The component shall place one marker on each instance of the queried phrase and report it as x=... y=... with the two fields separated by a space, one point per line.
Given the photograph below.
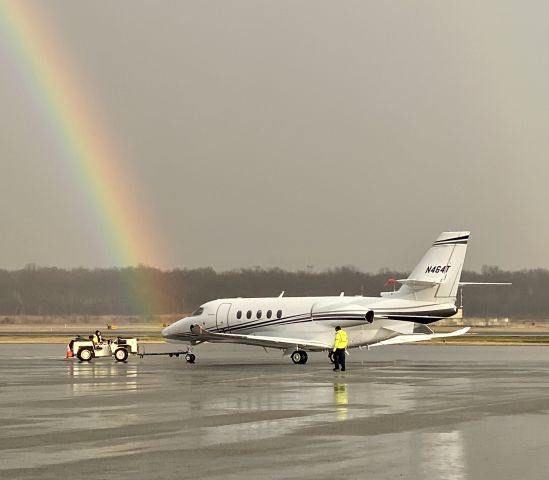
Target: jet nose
x=166 y=331
x=173 y=329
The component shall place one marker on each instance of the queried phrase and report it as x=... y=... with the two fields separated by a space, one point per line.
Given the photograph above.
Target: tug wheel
x=85 y=354
x=121 y=354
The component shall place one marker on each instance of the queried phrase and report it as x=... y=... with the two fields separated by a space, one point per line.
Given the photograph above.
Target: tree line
x=146 y=291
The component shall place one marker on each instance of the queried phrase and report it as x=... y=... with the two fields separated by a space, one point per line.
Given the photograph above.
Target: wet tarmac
x=411 y=412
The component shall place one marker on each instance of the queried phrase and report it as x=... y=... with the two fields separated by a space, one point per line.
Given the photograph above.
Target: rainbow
x=91 y=158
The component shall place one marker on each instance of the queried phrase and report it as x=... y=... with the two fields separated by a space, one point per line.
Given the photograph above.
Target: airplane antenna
x=282 y=294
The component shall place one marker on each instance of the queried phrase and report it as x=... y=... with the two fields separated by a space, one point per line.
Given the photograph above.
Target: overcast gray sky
x=293 y=133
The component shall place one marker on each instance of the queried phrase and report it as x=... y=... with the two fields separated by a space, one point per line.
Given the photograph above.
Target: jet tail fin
x=436 y=276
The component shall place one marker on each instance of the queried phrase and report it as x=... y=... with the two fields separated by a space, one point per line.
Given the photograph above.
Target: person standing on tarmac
x=340 y=344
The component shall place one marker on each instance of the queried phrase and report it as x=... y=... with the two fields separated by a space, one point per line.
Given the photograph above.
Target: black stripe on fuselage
x=416 y=319
x=304 y=317
x=423 y=317
x=261 y=323
x=275 y=321
x=419 y=317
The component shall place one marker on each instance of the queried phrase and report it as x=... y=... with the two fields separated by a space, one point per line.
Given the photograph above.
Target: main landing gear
x=300 y=357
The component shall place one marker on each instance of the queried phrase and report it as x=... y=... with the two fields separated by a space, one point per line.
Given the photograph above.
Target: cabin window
x=279 y=314
x=258 y=314
x=269 y=313
x=249 y=314
x=239 y=314
x=197 y=312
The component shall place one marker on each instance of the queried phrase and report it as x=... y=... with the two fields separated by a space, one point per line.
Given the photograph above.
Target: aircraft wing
x=418 y=337
x=203 y=335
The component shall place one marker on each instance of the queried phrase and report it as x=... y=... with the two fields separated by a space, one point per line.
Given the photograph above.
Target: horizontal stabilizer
x=419 y=337
x=412 y=282
x=466 y=284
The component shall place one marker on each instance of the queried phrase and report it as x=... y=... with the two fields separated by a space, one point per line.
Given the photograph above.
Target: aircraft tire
x=190 y=357
x=304 y=358
x=297 y=357
x=331 y=357
x=121 y=354
x=85 y=354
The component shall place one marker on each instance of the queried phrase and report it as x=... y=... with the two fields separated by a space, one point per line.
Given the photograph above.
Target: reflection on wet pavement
x=341 y=400
x=425 y=416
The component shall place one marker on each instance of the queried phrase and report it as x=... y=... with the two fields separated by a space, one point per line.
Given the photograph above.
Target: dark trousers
x=339 y=358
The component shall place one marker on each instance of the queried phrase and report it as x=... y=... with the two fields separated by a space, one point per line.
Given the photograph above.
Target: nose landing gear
x=299 y=357
x=190 y=357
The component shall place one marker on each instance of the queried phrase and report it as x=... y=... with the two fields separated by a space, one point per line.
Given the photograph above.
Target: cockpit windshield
x=197 y=312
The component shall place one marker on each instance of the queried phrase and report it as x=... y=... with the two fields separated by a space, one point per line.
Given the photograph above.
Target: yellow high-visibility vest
x=340 y=339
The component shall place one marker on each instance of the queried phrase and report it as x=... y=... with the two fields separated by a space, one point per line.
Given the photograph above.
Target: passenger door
x=222 y=317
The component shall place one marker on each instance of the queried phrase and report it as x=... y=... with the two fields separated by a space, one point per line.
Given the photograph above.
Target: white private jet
x=297 y=325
